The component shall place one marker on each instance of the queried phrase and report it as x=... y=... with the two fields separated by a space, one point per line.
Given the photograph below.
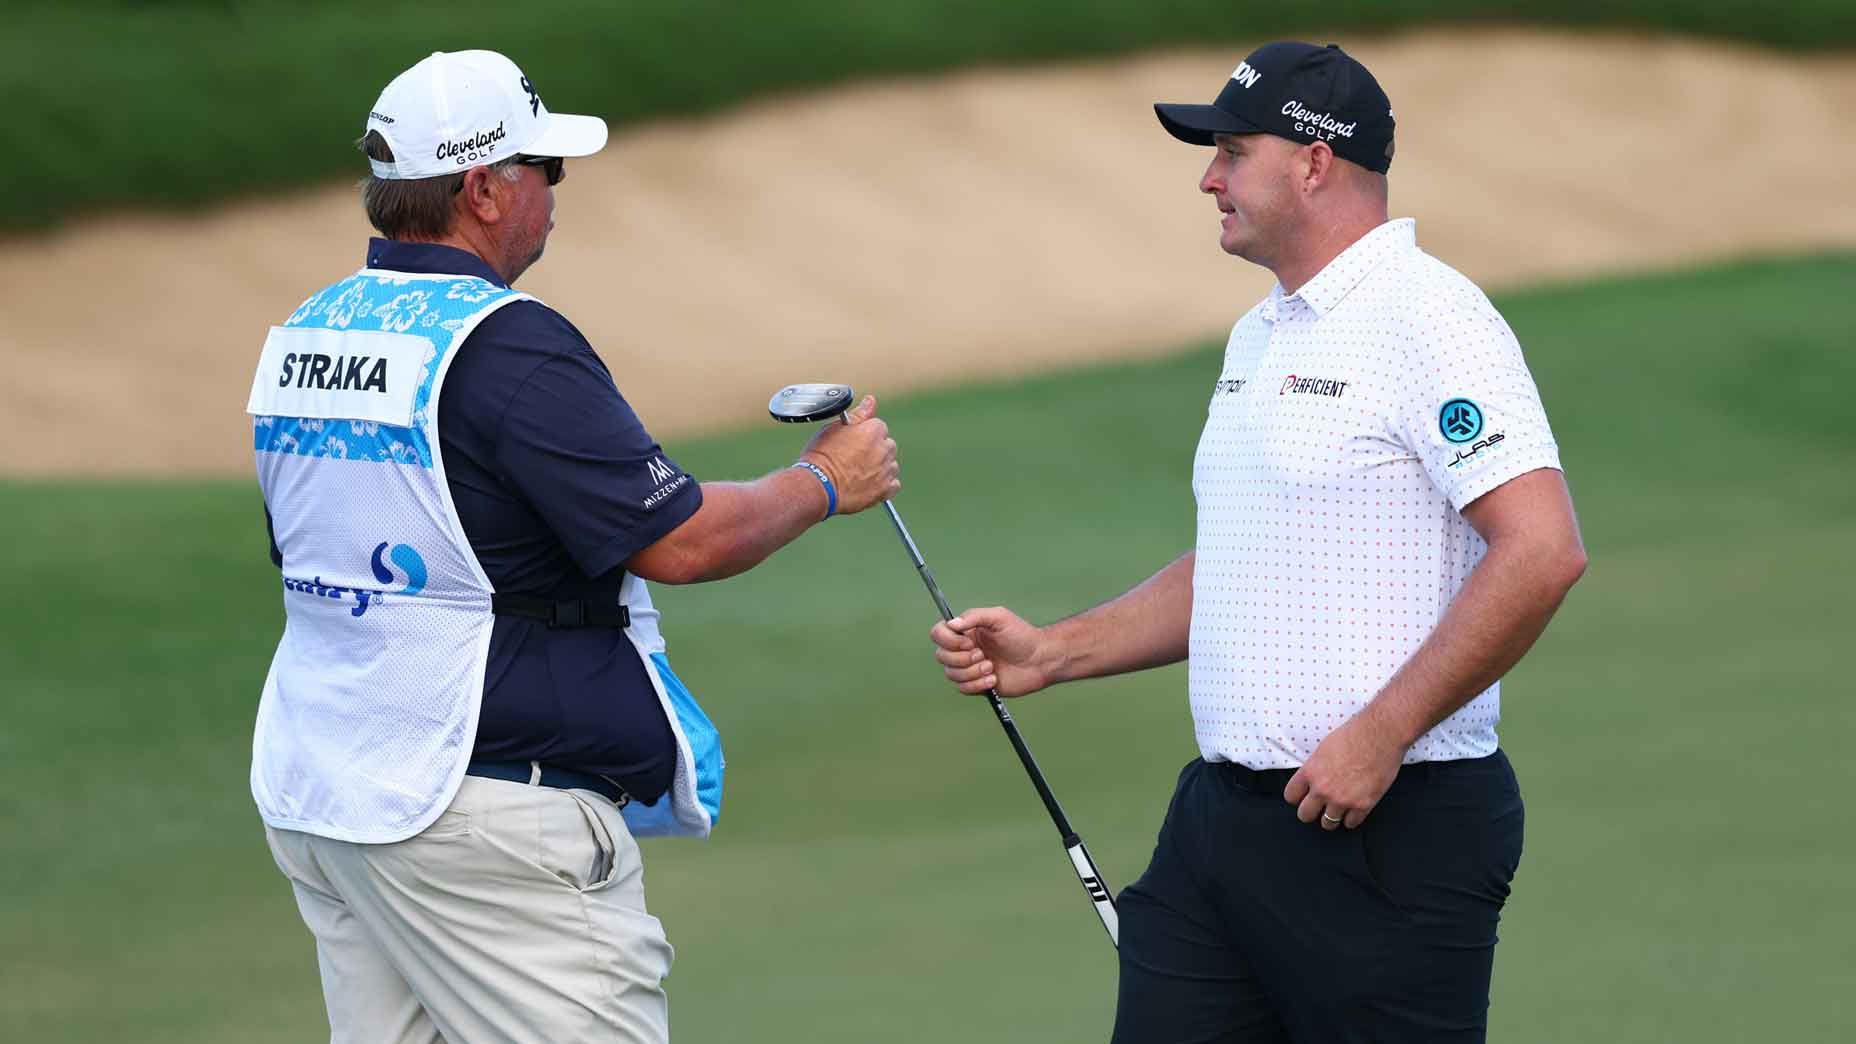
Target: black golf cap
x=1300 y=92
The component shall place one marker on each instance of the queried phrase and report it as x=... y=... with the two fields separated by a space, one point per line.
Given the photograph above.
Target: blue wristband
x=831 y=492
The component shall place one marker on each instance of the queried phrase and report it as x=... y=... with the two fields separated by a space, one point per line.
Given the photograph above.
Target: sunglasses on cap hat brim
x=554 y=167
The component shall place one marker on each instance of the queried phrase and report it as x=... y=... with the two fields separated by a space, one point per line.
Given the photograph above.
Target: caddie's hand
x=1346 y=775
x=859 y=456
x=991 y=649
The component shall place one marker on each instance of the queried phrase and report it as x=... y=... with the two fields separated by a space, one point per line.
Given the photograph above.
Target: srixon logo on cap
x=1245 y=75
x=476 y=147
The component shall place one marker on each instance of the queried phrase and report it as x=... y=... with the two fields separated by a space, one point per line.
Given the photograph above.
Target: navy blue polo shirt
x=550 y=471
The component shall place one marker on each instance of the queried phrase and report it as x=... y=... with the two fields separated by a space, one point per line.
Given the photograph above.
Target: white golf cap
x=462 y=109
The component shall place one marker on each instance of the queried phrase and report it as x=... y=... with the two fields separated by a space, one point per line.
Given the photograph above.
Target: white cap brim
x=568 y=136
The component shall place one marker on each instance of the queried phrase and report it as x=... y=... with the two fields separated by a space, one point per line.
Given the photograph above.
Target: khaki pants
x=518 y=916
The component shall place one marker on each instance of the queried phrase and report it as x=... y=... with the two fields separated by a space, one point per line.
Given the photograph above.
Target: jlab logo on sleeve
x=1460 y=420
x=1474 y=451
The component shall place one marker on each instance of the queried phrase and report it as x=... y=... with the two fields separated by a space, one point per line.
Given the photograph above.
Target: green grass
x=883 y=871
x=133 y=104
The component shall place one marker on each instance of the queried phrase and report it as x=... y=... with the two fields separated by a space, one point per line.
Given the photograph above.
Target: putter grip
x=1092 y=883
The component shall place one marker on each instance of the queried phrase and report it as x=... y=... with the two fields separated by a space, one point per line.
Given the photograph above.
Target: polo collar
x=395 y=255
x=1338 y=278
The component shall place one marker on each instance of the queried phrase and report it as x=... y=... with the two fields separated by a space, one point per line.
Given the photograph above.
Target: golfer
x=1383 y=531
x=470 y=715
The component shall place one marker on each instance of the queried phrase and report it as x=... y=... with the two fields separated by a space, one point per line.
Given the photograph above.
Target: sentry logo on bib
x=409 y=563
x=407 y=569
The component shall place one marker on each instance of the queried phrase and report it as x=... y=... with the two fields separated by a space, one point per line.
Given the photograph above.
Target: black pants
x=1250 y=925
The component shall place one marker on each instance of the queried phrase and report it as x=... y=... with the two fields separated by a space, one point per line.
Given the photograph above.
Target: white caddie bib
x=369 y=712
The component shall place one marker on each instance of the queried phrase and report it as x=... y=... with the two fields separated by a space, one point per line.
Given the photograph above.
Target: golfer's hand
x=1346 y=775
x=859 y=456
x=991 y=649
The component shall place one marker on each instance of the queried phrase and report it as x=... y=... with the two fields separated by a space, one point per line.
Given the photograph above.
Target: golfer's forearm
x=737 y=527
x=1496 y=617
x=1146 y=627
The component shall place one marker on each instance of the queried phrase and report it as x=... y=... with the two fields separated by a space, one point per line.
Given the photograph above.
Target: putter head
x=805 y=403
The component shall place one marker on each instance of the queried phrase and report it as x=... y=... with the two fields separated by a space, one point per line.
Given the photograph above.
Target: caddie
x=470 y=716
x=1383 y=531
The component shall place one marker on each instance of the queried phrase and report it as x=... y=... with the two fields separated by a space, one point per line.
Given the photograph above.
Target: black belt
x=1257 y=781
x=1275 y=781
x=551 y=776
x=559 y=613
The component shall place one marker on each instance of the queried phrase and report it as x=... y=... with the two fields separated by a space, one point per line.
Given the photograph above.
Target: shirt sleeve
x=1469 y=410
x=571 y=444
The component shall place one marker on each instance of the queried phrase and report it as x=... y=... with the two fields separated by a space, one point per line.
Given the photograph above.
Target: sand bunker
x=951 y=230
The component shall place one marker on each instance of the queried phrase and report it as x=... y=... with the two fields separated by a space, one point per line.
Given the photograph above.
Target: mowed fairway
x=882 y=870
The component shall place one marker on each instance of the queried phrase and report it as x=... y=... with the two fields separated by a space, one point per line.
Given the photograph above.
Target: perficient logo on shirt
x=1293 y=385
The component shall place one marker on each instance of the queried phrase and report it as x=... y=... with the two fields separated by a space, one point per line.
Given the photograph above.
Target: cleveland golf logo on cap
x=1320 y=124
x=471 y=149
x=459 y=109
x=1274 y=91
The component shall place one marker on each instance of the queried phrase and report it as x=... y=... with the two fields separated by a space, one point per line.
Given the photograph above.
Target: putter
x=805 y=403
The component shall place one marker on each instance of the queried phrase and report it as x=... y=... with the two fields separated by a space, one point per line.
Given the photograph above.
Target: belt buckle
x=567 y=614
x=624 y=797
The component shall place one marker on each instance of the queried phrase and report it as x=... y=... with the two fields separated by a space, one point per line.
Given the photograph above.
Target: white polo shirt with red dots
x=1353 y=421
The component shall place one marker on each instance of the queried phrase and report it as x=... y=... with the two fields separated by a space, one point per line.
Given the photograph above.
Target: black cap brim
x=1195 y=124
